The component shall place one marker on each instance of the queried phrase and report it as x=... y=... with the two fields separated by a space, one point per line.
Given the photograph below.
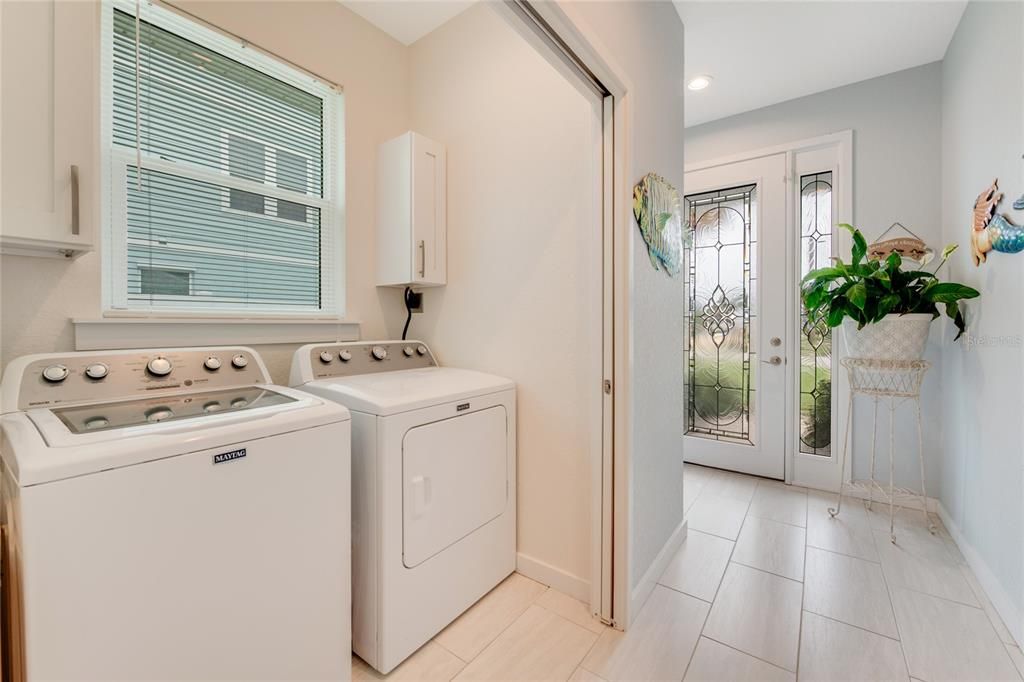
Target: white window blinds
x=237 y=204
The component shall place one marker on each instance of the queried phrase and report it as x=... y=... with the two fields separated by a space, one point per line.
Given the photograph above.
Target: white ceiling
x=762 y=53
x=407 y=20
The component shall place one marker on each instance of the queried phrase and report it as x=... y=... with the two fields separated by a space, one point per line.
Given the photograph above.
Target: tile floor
x=766 y=587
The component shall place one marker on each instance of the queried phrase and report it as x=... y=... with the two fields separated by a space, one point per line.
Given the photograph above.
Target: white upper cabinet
x=411 y=212
x=49 y=93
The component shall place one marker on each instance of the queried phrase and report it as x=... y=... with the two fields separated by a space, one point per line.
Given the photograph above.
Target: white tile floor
x=766 y=587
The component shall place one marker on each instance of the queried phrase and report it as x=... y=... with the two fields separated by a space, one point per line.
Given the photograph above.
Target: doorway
x=763 y=396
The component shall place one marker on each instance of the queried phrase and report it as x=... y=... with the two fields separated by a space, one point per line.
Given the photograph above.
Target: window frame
x=115 y=161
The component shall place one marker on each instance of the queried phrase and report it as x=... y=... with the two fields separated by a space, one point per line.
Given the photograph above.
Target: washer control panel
x=369 y=357
x=68 y=378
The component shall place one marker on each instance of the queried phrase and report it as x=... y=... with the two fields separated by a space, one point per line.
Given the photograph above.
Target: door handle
x=423 y=258
x=421 y=496
x=75 y=227
x=773 y=360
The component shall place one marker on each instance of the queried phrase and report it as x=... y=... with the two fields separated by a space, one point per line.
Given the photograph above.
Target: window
x=222 y=168
x=156 y=281
x=815 y=336
x=721 y=316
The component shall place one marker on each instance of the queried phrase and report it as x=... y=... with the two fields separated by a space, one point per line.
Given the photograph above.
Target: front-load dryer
x=433 y=487
x=169 y=515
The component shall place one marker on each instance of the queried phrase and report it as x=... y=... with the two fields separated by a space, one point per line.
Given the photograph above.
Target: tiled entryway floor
x=766 y=587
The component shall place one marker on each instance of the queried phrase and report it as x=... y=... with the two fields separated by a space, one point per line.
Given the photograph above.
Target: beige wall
x=536 y=262
x=645 y=41
x=38 y=297
x=523 y=258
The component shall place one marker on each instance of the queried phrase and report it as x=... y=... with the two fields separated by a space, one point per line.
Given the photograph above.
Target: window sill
x=163 y=332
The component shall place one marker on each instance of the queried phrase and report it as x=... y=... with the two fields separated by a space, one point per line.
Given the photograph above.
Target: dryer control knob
x=239 y=361
x=326 y=356
x=212 y=363
x=55 y=373
x=345 y=355
x=408 y=351
x=422 y=350
x=379 y=352
x=159 y=366
x=97 y=370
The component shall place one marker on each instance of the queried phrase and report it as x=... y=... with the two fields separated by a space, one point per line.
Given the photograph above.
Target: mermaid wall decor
x=993 y=231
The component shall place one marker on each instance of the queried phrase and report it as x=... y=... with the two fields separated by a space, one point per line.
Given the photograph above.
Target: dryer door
x=454 y=480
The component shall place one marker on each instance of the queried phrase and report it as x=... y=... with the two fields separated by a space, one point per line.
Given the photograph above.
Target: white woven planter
x=894 y=337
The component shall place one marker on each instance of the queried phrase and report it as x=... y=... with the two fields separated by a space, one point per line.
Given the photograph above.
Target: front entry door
x=736 y=323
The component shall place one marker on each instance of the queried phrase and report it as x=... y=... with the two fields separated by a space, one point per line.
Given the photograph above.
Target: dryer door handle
x=421 y=496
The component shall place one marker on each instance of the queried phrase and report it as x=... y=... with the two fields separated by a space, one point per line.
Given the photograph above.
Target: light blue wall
x=896 y=127
x=983 y=400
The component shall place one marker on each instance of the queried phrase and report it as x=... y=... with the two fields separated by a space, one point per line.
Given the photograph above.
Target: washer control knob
x=97 y=370
x=345 y=355
x=326 y=356
x=159 y=366
x=239 y=361
x=408 y=351
x=422 y=350
x=158 y=414
x=212 y=406
x=55 y=373
x=239 y=403
x=212 y=363
x=379 y=352
x=96 y=422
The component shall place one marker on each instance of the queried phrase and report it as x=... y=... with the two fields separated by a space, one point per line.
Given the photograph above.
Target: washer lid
x=50 y=444
x=393 y=392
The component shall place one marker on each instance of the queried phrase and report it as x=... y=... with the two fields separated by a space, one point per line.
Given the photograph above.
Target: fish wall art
x=658 y=214
x=993 y=231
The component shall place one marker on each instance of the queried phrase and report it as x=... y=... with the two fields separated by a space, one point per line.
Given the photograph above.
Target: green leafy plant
x=868 y=290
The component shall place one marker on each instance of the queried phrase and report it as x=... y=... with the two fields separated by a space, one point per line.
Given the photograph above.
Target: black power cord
x=413 y=300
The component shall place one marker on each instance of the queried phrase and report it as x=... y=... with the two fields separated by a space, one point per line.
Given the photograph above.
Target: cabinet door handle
x=423 y=258
x=75 y=228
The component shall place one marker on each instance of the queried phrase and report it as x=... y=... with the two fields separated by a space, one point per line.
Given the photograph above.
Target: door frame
x=575 y=51
x=811 y=471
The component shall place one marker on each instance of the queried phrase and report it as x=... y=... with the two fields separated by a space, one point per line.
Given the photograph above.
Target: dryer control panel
x=327 y=360
x=98 y=376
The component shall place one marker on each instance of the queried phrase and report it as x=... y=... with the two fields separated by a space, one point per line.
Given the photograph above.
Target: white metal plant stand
x=899 y=381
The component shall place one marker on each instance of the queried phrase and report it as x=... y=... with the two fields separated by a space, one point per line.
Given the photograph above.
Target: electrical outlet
x=416 y=301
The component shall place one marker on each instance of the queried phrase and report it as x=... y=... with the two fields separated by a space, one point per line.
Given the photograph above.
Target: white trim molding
x=546 y=574
x=154 y=332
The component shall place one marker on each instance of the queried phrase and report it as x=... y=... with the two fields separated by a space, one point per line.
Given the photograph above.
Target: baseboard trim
x=1001 y=601
x=549 y=575
x=639 y=595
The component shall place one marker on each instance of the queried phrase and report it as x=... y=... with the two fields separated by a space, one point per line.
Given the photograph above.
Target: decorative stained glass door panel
x=815 y=212
x=735 y=279
x=720 y=318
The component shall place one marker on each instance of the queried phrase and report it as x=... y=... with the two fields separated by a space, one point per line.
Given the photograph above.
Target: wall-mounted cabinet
x=411 y=212
x=48 y=127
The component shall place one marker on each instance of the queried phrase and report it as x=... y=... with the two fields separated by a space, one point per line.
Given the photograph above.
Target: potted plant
x=885 y=311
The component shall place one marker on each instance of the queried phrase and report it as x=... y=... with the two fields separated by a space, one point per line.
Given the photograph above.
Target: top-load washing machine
x=170 y=515
x=433 y=487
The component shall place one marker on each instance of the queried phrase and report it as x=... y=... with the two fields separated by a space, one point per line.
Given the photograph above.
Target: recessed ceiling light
x=699 y=83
